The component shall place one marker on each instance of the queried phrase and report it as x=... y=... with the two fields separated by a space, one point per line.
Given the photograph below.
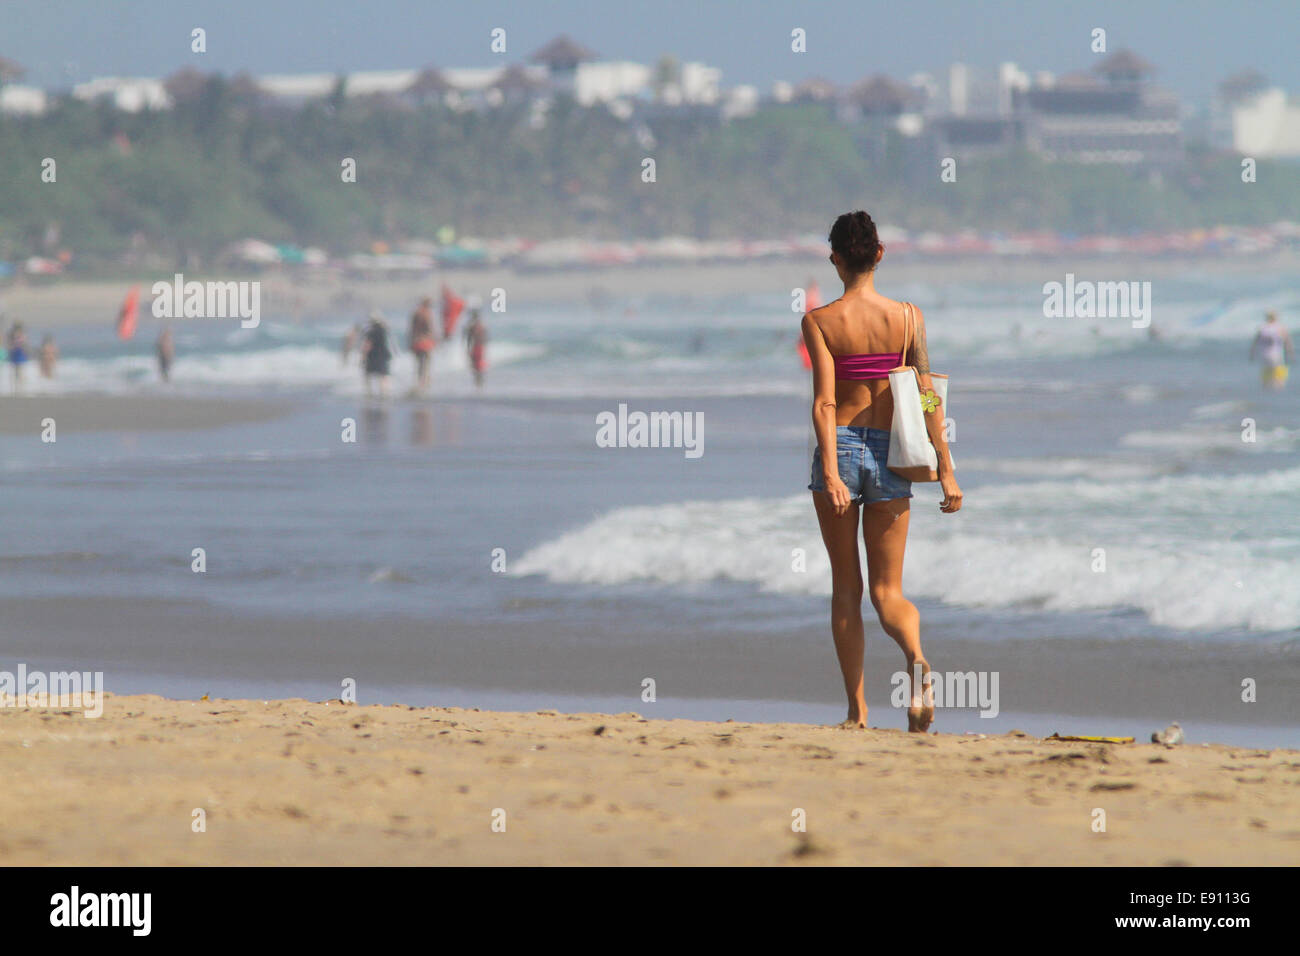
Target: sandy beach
x=296 y=782
x=321 y=568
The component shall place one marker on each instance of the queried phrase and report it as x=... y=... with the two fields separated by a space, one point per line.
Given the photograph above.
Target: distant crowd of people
x=374 y=343
x=1272 y=345
x=371 y=340
x=17 y=353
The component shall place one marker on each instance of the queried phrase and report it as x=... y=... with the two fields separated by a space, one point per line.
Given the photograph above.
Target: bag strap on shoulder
x=907 y=333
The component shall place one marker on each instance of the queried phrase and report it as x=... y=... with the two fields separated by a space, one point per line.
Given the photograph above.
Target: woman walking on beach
x=853 y=343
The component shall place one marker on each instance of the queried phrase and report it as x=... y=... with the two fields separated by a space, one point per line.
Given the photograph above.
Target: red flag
x=452 y=306
x=126 y=318
x=812 y=300
x=813 y=297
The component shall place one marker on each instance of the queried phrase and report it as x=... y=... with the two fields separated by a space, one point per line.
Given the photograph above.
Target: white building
x=608 y=81
x=981 y=91
x=128 y=94
x=308 y=86
x=605 y=82
x=700 y=83
x=561 y=67
x=1011 y=79
x=22 y=100
x=740 y=101
x=1267 y=125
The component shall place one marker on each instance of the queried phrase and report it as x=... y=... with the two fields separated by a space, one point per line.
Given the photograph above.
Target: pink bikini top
x=864 y=367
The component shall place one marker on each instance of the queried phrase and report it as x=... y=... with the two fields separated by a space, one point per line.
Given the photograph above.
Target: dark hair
x=855 y=238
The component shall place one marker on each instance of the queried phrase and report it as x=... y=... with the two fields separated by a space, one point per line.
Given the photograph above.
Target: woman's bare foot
x=854 y=723
x=921 y=714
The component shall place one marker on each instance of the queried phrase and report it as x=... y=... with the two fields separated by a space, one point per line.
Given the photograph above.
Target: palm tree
x=185 y=86
x=668 y=72
x=430 y=86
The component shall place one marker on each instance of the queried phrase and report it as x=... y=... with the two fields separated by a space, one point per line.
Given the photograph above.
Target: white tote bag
x=911 y=453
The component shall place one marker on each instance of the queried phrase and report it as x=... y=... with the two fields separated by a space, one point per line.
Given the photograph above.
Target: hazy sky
x=1192 y=43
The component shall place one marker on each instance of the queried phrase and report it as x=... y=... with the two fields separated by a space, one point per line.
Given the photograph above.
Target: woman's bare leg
x=884 y=531
x=840 y=534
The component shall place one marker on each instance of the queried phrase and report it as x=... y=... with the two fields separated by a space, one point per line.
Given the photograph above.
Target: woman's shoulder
x=819 y=316
x=902 y=308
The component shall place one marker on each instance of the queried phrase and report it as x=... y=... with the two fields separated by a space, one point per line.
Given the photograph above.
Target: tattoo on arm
x=921 y=353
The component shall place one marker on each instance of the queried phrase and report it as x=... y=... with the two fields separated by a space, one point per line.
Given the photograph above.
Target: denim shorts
x=861 y=454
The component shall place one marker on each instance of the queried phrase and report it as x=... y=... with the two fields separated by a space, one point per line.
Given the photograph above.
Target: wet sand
x=25 y=414
x=1145 y=684
x=294 y=782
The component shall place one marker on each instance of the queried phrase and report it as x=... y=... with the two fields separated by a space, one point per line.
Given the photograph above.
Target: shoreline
x=1144 y=683
x=80 y=412
x=425 y=786
x=305 y=297
x=883 y=716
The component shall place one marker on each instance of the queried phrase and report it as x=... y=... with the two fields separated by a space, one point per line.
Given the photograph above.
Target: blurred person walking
x=420 y=340
x=48 y=356
x=166 y=351
x=476 y=337
x=16 y=343
x=1273 y=343
x=350 y=339
x=376 y=354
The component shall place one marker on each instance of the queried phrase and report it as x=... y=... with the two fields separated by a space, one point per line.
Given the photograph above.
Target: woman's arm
x=934 y=419
x=823 y=412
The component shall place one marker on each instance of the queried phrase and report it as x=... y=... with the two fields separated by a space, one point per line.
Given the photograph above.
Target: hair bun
x=855 y=239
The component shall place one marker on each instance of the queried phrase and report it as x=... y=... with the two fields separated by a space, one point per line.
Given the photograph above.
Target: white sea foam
x=1180 y=549
x=1200 y=438
x=568 y=353
x=1219 y=409
x=282 y=366
x=1099 y=468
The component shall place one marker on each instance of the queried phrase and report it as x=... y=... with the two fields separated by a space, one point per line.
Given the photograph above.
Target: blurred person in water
x=350 y=339
x=48 y=356
x=1273 y=344
x=476 y=337
x=166 y=351
x=16 y=344
x=376 y=354
x=420 y=340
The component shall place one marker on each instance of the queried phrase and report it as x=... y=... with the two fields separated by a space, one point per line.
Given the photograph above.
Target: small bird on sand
x=1171 y=736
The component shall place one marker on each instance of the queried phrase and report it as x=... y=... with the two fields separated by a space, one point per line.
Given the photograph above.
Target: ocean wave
x=277 y=367
x=1200 y=439
x=1160 y=556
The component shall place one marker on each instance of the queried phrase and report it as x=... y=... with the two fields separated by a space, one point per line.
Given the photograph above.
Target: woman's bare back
x=860 y=324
